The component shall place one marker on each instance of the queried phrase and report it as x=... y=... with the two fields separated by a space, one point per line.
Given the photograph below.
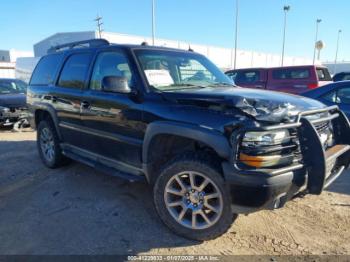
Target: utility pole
x=318 y=21
x=286 y=8
x=336 y=52
x=98 y=20
x=153 y=22
x=236 y=36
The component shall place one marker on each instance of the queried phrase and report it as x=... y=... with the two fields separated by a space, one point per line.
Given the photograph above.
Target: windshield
x=8 y=86
x=172 y=70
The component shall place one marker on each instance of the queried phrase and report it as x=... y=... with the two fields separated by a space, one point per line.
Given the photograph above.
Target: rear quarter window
x=323 y=74
x=248 y=76
x=75 y=70
x=232 y=75
x=298 y=73
x=45 y=72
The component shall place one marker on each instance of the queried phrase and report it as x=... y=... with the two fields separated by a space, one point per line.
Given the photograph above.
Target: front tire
x=191 y=198
x=48 y=145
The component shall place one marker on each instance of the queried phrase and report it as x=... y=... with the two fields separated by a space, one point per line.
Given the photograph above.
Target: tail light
x=312 y=86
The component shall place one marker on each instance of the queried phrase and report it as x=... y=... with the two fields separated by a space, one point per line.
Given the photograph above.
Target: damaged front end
x=268 y=111
x=17 y=117
x=276 y=162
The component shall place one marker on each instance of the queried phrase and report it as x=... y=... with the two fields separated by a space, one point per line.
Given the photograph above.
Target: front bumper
x=253 y=190
x=9 y=117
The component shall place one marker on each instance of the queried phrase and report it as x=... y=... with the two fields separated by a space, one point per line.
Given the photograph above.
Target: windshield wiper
x=222 y=84
x=183 y=86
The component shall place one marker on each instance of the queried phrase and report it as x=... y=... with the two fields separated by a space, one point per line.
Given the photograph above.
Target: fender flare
x=211 y=138
x=52 y=112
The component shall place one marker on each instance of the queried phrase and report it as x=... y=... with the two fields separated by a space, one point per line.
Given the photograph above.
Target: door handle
x=85 y=104
x=51 y=98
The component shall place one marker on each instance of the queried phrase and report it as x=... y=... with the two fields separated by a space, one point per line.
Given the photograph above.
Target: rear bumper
x=272 y=188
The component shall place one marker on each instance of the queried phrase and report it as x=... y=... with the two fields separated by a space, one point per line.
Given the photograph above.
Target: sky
x=210 y=22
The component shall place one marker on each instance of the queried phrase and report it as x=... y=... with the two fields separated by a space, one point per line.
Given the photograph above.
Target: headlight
x=258 y=149
x=267 y=138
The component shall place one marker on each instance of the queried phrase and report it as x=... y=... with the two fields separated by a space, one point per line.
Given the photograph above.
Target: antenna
x=98 y=20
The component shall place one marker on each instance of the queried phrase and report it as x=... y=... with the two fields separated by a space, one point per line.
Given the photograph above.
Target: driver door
x=112 y=119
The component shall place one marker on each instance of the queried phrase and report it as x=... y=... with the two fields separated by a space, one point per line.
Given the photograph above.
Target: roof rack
x=85 y=43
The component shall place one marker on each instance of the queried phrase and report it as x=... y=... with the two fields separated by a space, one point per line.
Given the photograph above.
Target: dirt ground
x=76 y=210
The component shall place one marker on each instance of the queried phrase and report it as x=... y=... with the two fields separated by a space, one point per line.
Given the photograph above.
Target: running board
x=103 y=164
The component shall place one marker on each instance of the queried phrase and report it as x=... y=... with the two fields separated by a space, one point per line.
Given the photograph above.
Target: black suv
x=209 y=149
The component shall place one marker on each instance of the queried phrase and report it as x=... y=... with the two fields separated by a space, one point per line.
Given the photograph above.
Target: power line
x=153 y=22
x=98 y=20
x=318 y=21
x=236 y=35
x=286 y=8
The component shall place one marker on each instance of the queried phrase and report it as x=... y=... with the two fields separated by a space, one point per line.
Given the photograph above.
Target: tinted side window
x=110 y=64
x=280 y=74
x=343 y=95
x=45 y=71
x=323 y=74
x=338 y=77
x=232 y=75
x=331 y=96
x=74 y=71
x=341 y=77
x=248 y=76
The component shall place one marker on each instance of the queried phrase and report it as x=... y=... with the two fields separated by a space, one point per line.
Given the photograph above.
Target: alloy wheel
x=193 y=200
x=47 y=144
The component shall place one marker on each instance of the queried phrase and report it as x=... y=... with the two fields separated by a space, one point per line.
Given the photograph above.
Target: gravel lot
x=76 y=210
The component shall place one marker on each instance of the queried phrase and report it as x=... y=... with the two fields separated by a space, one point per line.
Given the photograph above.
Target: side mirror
x=116 y=84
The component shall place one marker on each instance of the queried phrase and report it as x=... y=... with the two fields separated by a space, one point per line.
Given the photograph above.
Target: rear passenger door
x=67 y=96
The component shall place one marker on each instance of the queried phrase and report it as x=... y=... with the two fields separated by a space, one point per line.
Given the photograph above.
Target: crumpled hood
x=13 y=100
x=261 y=104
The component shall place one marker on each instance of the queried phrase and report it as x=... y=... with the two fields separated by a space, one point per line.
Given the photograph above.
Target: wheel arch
x=43 y=111
x=160 y=136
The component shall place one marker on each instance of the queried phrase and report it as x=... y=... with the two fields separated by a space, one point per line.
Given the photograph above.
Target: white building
x=223 y=57
x=25 y=67
x=337 y=67
x=7 y=70
x=8 y=60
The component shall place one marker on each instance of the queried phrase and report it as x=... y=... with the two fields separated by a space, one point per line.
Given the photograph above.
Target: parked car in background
x=12 y=101
x=341 y=76
x=333 y=94
x=293 y=79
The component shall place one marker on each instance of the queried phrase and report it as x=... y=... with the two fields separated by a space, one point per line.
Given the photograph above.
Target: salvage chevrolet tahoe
x=210 y=150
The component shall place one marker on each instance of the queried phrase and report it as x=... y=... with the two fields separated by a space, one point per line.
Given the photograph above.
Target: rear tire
x=49 y=146
x=206 y=200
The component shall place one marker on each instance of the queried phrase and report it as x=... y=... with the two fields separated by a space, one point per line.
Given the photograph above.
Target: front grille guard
x=316 y=161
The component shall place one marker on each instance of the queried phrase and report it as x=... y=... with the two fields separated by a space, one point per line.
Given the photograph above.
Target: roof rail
x=85 y=43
